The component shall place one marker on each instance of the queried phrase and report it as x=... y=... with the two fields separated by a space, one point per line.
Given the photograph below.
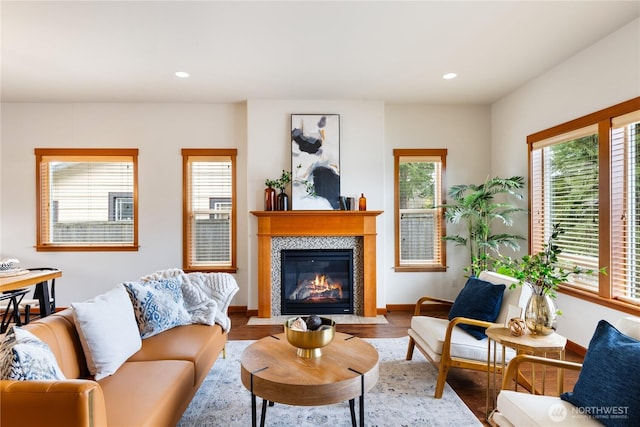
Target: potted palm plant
x=475 y=207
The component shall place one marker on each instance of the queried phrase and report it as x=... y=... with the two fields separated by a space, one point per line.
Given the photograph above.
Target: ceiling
x=89 y=51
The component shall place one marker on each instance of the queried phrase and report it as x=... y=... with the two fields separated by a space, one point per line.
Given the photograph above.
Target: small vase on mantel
x=362 y=203
x=283 y=201
x=269 y=199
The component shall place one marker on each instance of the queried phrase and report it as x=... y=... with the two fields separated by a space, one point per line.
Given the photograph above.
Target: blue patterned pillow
x=607 y=387
x=26 y=357
x=158 y=305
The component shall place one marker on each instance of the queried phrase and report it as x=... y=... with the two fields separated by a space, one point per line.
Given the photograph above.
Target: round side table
x=528 y=343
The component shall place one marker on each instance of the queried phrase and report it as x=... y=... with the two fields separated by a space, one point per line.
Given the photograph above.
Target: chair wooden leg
x=443 y=371
x=412 y=346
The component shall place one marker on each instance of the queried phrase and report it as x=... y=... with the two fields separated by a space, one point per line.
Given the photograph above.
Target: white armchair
x=519 y=408
x=448 y=346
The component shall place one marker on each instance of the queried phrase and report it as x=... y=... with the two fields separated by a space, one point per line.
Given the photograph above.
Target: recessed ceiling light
x=449 y=76
x=182 y=74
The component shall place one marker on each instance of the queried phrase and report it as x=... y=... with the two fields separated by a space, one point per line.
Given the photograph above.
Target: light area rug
x=402 y=397
x=340 y=319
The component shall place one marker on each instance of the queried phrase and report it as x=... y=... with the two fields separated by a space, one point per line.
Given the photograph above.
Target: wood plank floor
x=469 y=385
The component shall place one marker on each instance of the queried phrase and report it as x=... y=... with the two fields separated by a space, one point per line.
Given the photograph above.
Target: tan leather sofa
x=152 y=388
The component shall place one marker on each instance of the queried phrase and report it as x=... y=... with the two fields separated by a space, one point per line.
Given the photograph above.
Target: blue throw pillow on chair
x=478 y=300
x=608 y=384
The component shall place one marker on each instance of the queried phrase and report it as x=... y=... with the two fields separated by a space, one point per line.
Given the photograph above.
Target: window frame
x=441 y=227
x=604 y=295
x=91 y=155
x=187 y=155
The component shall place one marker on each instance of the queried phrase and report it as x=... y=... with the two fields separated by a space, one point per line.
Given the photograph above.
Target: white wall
x=603 y=75
x=465 y=132
x=159 y=131
x=362 y=168
x=260 y=131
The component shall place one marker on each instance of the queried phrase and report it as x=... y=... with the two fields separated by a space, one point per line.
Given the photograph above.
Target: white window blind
x=625 y=198
x=420 y=223
x=86 y=198
x=209 y=210
x=565 y=190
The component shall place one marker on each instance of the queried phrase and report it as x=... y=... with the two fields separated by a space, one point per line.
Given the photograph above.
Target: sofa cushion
x=479 y=300
x=524 y=409
x=430 y=332
x=108 y=331
x=609 y=379
x=199 y=344
x=23 y=356
x=148 y=394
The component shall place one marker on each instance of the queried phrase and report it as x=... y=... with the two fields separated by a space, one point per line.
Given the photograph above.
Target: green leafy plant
x=475 y=207
x=543 y=271
x=280 y=183
x=308 y=185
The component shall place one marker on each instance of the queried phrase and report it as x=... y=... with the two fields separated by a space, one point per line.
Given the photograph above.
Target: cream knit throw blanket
x=206 y=295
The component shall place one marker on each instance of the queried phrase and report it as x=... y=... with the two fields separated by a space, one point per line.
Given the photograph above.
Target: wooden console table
x=37 y=277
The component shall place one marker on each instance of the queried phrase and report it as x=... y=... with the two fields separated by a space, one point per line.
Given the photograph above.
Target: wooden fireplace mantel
x=316 y=223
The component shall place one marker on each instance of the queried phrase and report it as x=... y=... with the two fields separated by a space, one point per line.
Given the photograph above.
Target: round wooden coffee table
x=271 y=369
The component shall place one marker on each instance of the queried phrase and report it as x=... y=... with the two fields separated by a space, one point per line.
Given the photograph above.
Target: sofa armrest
x=514 y=366
x=437 y=302
x=77 y=403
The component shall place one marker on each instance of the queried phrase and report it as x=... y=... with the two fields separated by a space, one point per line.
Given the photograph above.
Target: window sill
x=596 y=299
x=93 y=248
x=231 y=270
x=418 y=268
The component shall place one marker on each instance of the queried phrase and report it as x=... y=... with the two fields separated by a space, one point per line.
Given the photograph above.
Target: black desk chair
x=10 y=304
x=29 y=304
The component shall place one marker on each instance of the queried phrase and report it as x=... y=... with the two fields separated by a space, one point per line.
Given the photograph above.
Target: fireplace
x=300 y=226
x=317 y=281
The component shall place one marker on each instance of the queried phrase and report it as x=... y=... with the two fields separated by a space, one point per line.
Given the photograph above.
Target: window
x=120 y=206
x=584 y=175
x=87 y=199
x=419 y=224
x=209 y=210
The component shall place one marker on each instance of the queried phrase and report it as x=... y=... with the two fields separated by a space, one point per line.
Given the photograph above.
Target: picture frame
x=315 y=161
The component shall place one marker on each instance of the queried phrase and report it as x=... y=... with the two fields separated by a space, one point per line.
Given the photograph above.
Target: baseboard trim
x=578 y=349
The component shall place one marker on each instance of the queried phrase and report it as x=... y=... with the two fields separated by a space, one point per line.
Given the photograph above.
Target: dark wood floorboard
x=469 y=385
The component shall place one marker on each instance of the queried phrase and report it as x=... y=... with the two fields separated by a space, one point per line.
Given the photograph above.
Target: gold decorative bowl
x=310 y=343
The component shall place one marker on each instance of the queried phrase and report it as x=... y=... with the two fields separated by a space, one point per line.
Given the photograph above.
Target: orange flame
x=320 y=285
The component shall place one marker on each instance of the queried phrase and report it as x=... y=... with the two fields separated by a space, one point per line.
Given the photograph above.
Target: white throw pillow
x=108 y=331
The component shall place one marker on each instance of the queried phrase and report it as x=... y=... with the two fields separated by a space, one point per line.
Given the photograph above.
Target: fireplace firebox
x=317 y=281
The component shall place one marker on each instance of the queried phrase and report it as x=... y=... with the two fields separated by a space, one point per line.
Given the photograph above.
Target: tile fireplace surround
x=274 y=224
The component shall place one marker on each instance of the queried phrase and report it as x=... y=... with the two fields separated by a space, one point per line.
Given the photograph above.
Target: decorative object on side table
x=315 y=152
x=543 y=272
x=517 y=327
